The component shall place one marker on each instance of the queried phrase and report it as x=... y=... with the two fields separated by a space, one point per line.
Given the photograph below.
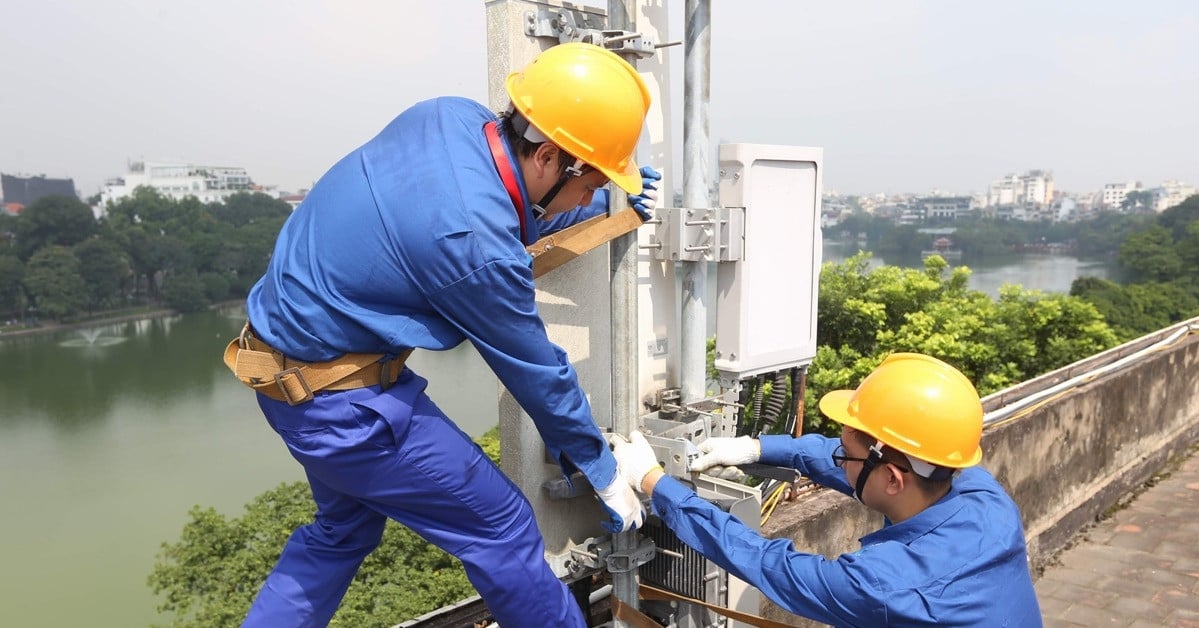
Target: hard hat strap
x=569 y=173
x=873 y=458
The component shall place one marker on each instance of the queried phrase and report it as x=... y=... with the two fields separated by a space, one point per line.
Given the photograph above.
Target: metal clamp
x=567 y=25
x=587 y=556
x=699 y=235
x=626 y=561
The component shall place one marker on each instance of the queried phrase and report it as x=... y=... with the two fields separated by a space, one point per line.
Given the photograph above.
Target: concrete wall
x=1118 y=417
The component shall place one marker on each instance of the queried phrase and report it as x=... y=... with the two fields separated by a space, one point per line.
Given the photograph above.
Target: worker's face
x=542 y=171
x=855 y=453
x=577 y=191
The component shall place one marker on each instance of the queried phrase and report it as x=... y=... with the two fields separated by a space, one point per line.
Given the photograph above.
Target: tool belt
x=275 y=375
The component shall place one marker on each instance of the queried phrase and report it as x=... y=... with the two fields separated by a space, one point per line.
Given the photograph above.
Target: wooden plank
x=555 y=250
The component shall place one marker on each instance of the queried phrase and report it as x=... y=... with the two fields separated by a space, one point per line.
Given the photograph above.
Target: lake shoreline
x=103 y=321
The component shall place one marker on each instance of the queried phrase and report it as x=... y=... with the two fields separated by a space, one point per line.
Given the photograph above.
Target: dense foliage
x=1161 y=258
x=57 y=261
x=867 y=314
x=209 y=577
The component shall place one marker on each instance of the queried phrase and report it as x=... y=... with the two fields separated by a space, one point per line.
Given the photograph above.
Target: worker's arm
x=495 y=309
x=810 y=454
x=843 y=592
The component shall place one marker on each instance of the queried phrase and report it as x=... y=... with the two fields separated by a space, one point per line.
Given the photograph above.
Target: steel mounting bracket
x=567 y=25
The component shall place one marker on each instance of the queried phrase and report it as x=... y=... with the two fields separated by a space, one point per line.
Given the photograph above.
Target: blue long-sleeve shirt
x=960 y=562
x=412 y=241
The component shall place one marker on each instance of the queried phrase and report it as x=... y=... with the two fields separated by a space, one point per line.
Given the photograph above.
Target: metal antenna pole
x=624 y=332
x=696 y=168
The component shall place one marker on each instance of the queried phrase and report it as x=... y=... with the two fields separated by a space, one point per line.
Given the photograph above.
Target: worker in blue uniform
x=416 y=240
x=951 y=550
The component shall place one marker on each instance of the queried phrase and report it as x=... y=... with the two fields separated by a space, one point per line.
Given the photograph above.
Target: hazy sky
x=903 y=95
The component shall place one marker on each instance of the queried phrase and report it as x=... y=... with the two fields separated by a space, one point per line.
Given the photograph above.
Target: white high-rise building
x=1033 y=187
x=1115 y=193
x=210 y=184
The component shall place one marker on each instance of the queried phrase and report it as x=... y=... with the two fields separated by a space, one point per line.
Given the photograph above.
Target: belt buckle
x=303 y=384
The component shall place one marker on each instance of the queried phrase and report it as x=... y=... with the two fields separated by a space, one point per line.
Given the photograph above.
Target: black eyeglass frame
x=839 y=459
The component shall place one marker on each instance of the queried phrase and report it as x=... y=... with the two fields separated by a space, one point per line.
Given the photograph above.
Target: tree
x=211 y=574
x=53 y=220
x=53 y=280
x=245 y=208
x=1180 y=216
x=866 y=314
x=103 y=267
x=1137 y=201
x=1150 y=254
x=1103 y=235
x=12 y=272
x=185 y=292
x=1137 y=309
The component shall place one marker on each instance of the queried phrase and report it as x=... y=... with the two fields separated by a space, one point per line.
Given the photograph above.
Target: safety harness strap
x=505 y=169
x=273 y=374
x=637 y=619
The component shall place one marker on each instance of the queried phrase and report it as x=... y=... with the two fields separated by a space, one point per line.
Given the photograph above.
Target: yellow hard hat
x=917 y=404
x=589 y=102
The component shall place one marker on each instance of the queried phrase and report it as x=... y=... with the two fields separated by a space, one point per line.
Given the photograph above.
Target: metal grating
x=676 y=568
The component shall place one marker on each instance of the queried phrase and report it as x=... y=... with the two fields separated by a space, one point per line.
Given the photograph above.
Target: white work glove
x=726 y=452
x=634 y=458
x=645 y=202
x=624 y=509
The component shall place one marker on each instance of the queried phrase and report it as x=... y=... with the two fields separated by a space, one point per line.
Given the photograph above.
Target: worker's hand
x=645 y=202
x=725 y=452
x=635 y=458
x=623 y=506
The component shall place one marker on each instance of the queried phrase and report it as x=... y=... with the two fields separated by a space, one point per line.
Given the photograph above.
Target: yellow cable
x=773 y=501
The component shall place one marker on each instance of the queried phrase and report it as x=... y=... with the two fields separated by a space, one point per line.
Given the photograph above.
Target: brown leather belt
x=273 y=374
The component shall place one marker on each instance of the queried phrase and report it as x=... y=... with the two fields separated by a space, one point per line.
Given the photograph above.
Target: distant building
x=25 y=190
x=1171 y=193
x=293 y=199
x=1034 y=187
x=1115 y=193
x=944 y=207
x=209 y=184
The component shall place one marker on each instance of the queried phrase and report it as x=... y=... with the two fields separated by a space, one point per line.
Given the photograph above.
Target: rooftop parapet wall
x=1101 y=427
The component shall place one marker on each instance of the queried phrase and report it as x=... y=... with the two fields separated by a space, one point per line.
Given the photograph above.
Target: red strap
x=506 y=173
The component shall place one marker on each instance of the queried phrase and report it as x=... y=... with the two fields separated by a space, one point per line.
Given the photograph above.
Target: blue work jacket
x=960 y=562
x=412 y=241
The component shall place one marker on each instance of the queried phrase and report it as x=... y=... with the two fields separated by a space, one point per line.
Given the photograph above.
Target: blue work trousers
x=370 y=455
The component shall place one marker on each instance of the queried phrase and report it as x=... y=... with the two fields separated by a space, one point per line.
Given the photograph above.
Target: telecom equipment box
x=766 y=302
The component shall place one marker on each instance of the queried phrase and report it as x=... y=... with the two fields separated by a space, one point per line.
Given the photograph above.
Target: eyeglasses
x=839 y=457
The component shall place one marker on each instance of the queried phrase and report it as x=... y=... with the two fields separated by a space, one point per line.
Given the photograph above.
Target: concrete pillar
x=574 y=303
